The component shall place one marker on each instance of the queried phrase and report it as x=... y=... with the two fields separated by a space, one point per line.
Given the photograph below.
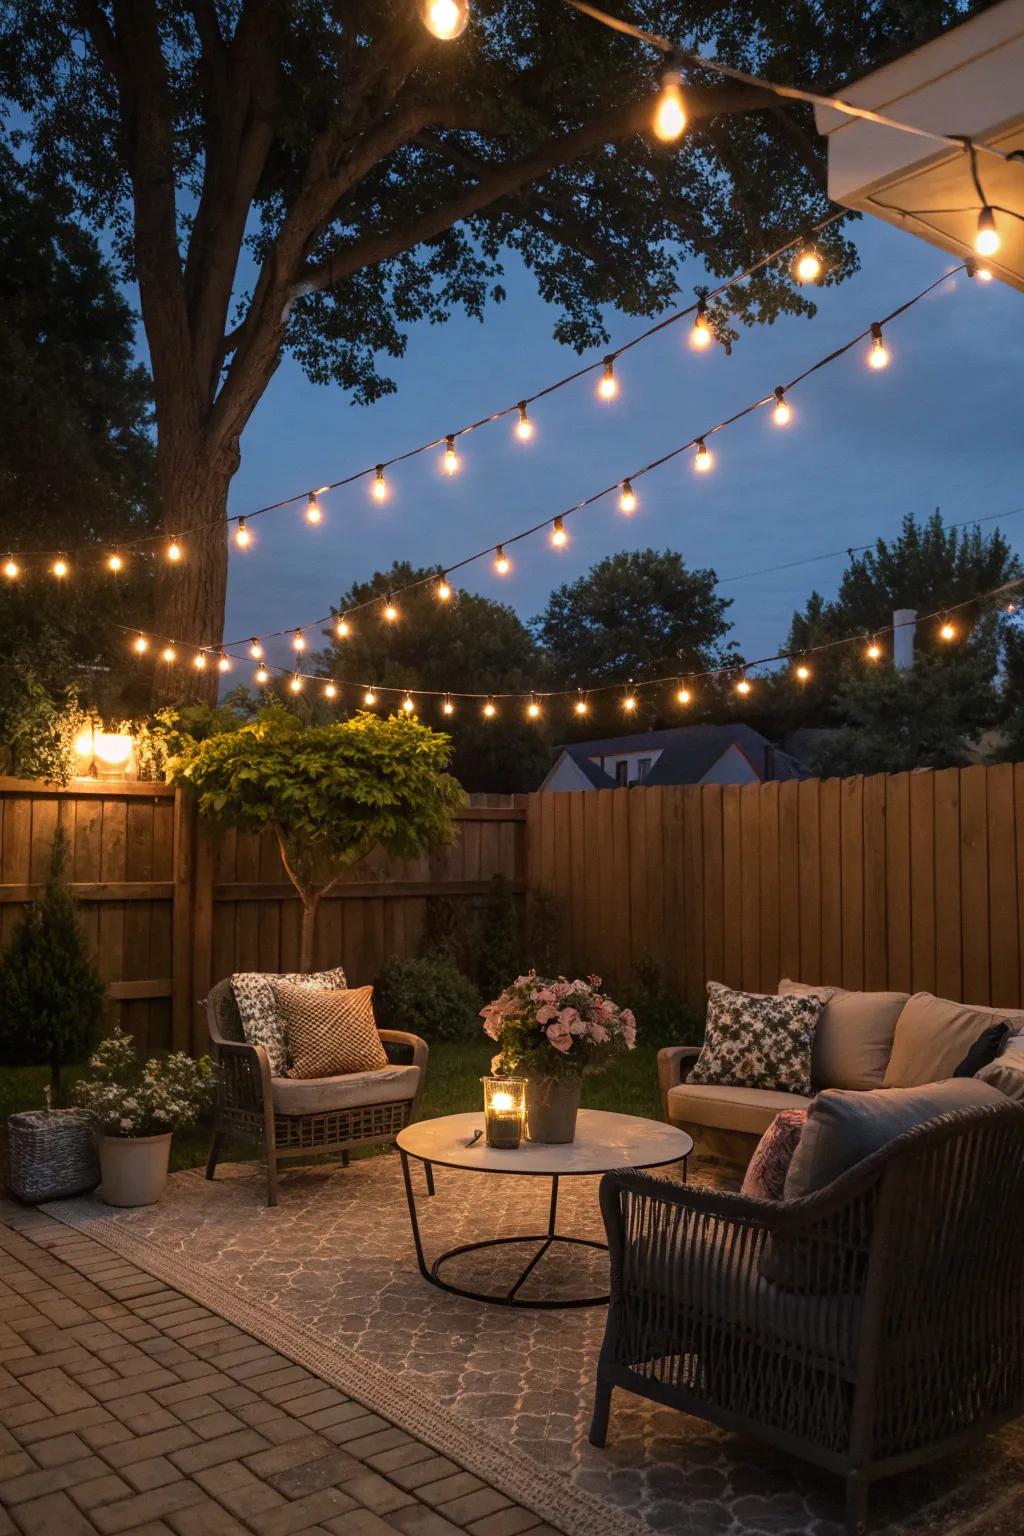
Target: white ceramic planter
x=133 y=1169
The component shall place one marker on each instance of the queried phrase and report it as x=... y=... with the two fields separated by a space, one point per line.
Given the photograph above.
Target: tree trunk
x=310 y=903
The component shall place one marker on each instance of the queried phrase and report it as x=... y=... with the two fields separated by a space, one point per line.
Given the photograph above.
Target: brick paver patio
x=125 y=1406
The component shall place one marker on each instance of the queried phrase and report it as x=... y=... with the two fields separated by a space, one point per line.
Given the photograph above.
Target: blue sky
x=940 y=427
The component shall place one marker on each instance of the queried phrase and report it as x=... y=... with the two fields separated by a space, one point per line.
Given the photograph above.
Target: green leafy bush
x=483 y=941
x=663 y=1017
x=427 y=997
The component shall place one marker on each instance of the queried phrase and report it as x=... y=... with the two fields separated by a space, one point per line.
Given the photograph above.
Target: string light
x=295 y=682
x=390 y=611
x=701 y=335
x=261 y=675
x=559 y=537
x=704 y=458
x=489 y=710
x=808 y=265
x=255 y=649
x=445 y=19
x=299 y=640
x=59 y=568
x=141 y=645
x=803 y=672
x=608 y=384
x=243 y=538
x=524 y=426
x=947 y=631
x=986 y=241
x=330 y=691
x=629 y=703
x=369 y=698
x=682 y=695
x=443 y=591
x=174 y=551
x=627 y=498
x=782 y=415
x=168 y=654
x=451 y=458
x=502 y=563
x=874 y=650
x=533 y=708
x=11 y=569
x=314 y=513
x=342 y=629
x=878 y=357
x=743 y=687
x=199 y=661
x=407 y=704
x=447 y=708
x=670 y=111
x=223 y=663
x=581 y=706
x=115 y=563
x=379 y=488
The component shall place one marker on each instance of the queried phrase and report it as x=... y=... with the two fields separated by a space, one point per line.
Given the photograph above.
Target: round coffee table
x=604 y=1142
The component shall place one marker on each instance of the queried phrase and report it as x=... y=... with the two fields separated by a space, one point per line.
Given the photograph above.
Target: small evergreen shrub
x=663 y=1017
x=427 y=997
x=51 y=994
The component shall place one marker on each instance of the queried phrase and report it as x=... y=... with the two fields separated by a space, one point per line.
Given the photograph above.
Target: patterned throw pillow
x=765 y=1178
x=257 y=1008
x=755 y=1041
x=330 y=1034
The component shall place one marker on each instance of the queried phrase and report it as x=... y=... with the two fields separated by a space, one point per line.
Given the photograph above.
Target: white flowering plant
x=126 y=1098
x=553 y=1027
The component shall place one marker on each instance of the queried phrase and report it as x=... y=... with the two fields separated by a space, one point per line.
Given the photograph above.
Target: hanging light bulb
x=295 y=682
x=670 y=112
x=986 y=241
x=629 y=703
x=115 y=563
x=299 y=640
x=533 y=708
x=174 y=551
x=379 y=488
x=782 y=415
x=524 y=426
x=314 y=513
x=447 y=708
x=984 y=274
x=60 y=568
x=878 y=357
x=701 y=336
x=330 y=691
x=407 y=704
x=627 y=498
x=443 y=590
x=223 y=663
x=445 y=19
x=369 y=698
x=807 y=267
x=168 y=654
x=140 y=645
x=581 y=706
x=255 y=649
x=451 y=458
x=559 y=537
x=704 y=458
x=243 y=538
x=803 y=672
x=489 y=709
x=608 y=384
x=947 y=630
x=743 y=687
x=390 y=611
x=682 y=694
x=11 y=568
x=199 y=661
x=873 y=650
x=342 y=629
x=261 y=675
x=502 y=563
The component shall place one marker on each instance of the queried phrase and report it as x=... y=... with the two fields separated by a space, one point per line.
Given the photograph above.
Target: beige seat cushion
x=724 y=1108
x=320 y=1095
x=933 y=1035
x=329 y=1033
x=843 y=1128
x=853 y=1040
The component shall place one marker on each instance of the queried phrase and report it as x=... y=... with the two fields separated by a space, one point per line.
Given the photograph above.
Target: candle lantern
x=504 y=1111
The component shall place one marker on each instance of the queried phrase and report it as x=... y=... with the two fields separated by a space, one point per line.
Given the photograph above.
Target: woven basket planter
x=51 y=1154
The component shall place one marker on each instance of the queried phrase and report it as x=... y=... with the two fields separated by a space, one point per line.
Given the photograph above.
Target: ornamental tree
x=316 y=176
x=330 y=794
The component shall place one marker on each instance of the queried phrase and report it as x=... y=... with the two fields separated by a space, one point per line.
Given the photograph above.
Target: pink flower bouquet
x=554 y=1026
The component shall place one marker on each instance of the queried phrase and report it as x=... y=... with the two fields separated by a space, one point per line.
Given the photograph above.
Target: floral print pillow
x=755 y=1041
x=262 y=1023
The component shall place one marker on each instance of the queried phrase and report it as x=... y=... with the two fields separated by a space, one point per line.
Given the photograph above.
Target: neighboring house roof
x=687 y=753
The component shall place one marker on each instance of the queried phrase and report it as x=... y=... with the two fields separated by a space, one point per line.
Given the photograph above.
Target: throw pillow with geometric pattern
x=330 y=1034
x=261 y=1022
x=755 y=1041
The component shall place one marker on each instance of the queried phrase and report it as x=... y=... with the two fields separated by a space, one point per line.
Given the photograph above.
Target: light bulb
x=986 y=241
x=168 y=654
x=608 y=385
x=390 y=611
x=878 y=357
x=947 y=631
x=704 y=458
x=524 y=426
x=341 y=629
x=60 y=569
x=451 y=458
x=807 y=267
x=299 y=640
x=489 y=709
x=559 y=537
x=369 y=698
x=627 y=498
x=11 y=569
x=115 y=563
x=295 y=683
x=443 y=590
x=407 y=704
x=629 y=703
x=330 y=691
x=803 y=672
x=223 y=663
x=682 y=695
x=174 y=551
x=533 y=709
x=743 y=687
x=243 y=538
x=873 y=651
x=448 y=708
x=255 y=649
x=701 y=336
x=782 y=415
x=670 y=113
x=313 y=513
x=200 y=661
x=261 y=675
x=379 y=489
x=580 y=707
x=445 y=19
x=502 y=563
x=983 y=273
x=141 y=645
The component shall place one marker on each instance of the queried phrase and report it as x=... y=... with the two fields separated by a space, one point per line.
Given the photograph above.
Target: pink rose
x=546 y=1014
x=559 y=1035
x=598 y=1033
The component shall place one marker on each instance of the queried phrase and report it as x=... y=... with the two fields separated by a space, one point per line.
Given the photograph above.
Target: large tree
x=287 y=173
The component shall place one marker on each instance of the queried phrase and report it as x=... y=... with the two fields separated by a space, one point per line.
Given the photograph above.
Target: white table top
x=604 y=1142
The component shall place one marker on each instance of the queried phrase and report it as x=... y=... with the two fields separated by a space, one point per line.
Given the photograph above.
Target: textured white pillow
x=262 y=1023
x=755 y=1040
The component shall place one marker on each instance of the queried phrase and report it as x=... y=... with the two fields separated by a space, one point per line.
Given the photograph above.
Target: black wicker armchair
x=891 y=1329
x=338 y=1119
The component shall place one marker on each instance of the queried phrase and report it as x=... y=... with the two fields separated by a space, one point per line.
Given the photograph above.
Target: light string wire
x=613 y=354
x=792 y=92
x=443 y=572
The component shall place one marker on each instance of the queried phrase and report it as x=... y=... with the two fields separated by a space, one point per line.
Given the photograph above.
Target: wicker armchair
x=896 y=1333
x=341 y=1120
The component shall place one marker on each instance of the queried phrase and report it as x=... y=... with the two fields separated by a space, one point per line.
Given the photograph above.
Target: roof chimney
x=904 y=627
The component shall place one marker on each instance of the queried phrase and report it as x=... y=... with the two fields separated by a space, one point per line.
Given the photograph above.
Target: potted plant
x=136 y=1110
x=553 y=1031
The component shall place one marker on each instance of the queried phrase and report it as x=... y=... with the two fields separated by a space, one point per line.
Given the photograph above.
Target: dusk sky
x=940 y=427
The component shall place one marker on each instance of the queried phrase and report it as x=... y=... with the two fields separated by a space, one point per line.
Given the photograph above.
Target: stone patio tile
x=293 y=1454
x=142 y=1447
x=298 y=1514
x=355 y=1429
x=209 y=1519
x=127 y=1514
x=51 y=1515
x=324 y=1418
x=431 y=1470
x=473 y=1506
x=360 y=1522
x=323 y=1472
x=415 y=1520
x=35 y=1482
x=57 y=1391
x=51 y=1425
x=105 y=1489
x=60 y=1451
x=155 y=1472
x=411 y=1453
x=210 y=1453
x=382 y=1440
x=513 y=1521
x=447 y=1488
x=376 y=1492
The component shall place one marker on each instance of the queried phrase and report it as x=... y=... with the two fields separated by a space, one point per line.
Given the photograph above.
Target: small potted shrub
x=136 y=1109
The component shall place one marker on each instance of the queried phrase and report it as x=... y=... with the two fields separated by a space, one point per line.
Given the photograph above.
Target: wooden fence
x=911 y=881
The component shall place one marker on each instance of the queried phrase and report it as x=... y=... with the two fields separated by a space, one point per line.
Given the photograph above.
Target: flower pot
x=551 y=1107
x=133 y=1169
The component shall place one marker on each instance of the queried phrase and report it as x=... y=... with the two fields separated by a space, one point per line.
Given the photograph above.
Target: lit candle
x=504 y=1111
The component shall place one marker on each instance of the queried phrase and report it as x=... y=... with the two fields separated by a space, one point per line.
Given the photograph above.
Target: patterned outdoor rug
x=332 y=1271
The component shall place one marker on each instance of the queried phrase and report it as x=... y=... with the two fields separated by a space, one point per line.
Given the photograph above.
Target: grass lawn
x=453 y=1083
